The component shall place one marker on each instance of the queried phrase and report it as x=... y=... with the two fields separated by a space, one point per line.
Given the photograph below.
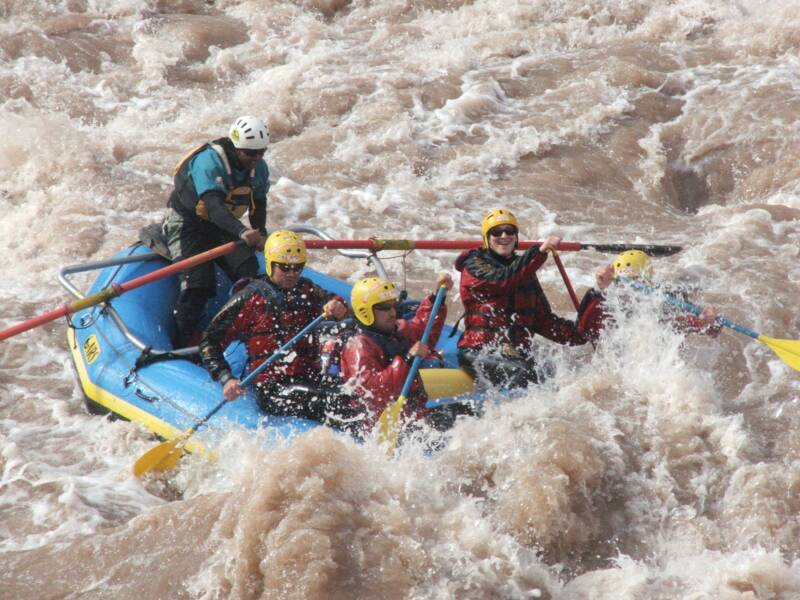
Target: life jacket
x=238 y=200
x=377 y=367
x=507 y=317
x=392 y=345
x=331 y=355
x=285 y=312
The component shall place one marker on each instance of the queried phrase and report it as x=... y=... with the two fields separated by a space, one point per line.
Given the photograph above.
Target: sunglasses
x=290 y=268
x=252 y=153
x=385 y=306
x=499 y=231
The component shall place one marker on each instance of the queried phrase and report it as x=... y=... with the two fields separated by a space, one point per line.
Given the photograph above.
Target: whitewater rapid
x=657 y=466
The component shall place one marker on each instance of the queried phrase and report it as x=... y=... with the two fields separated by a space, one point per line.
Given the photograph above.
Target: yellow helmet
x=285 y=247
x=368 y=292
x=498 y=216
x=633 y=263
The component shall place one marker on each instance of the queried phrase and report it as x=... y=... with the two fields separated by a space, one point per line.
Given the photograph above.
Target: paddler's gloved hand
x=231 y=390
x=418 y=349
x=709 y=315
x=335 y=309
x=550 y=244
x=604 y=276
x=444 y=279
x=253 y=238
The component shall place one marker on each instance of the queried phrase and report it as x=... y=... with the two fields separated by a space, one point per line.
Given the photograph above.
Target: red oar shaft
x=376 y=245
x=117 y=289
x=567 y=282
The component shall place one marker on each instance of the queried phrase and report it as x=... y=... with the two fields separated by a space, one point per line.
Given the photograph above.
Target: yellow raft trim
x=118 y=406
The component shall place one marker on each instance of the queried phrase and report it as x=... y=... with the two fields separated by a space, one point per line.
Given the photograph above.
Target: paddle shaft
x=376 y=245
x=167 y=454
x=567 y=282
x=390 y=417
x=118 y=289
x=412 y=372
x=205 y=419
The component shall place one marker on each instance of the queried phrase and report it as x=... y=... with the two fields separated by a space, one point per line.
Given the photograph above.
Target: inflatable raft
x=125 y=363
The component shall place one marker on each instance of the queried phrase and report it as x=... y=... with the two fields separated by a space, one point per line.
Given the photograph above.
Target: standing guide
x=215 y=185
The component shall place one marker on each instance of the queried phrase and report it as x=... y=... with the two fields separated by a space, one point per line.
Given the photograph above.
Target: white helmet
x=249 y=133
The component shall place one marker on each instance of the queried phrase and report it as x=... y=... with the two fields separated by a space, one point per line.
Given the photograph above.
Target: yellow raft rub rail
x=118 y=406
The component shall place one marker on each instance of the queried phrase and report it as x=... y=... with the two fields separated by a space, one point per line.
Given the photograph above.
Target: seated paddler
x=505 y=307
x=376 y=358
x=634 y=269
x=265 y=313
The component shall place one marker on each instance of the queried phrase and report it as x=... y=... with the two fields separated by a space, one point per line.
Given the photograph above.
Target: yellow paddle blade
x=389 y=423
x=446 y=383
x=161 y=458
x=787 y=350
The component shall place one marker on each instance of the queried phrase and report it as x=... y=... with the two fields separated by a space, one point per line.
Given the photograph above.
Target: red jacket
x=377 y=365
x=264 y=316
x=504 y=302
x=592 y=315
